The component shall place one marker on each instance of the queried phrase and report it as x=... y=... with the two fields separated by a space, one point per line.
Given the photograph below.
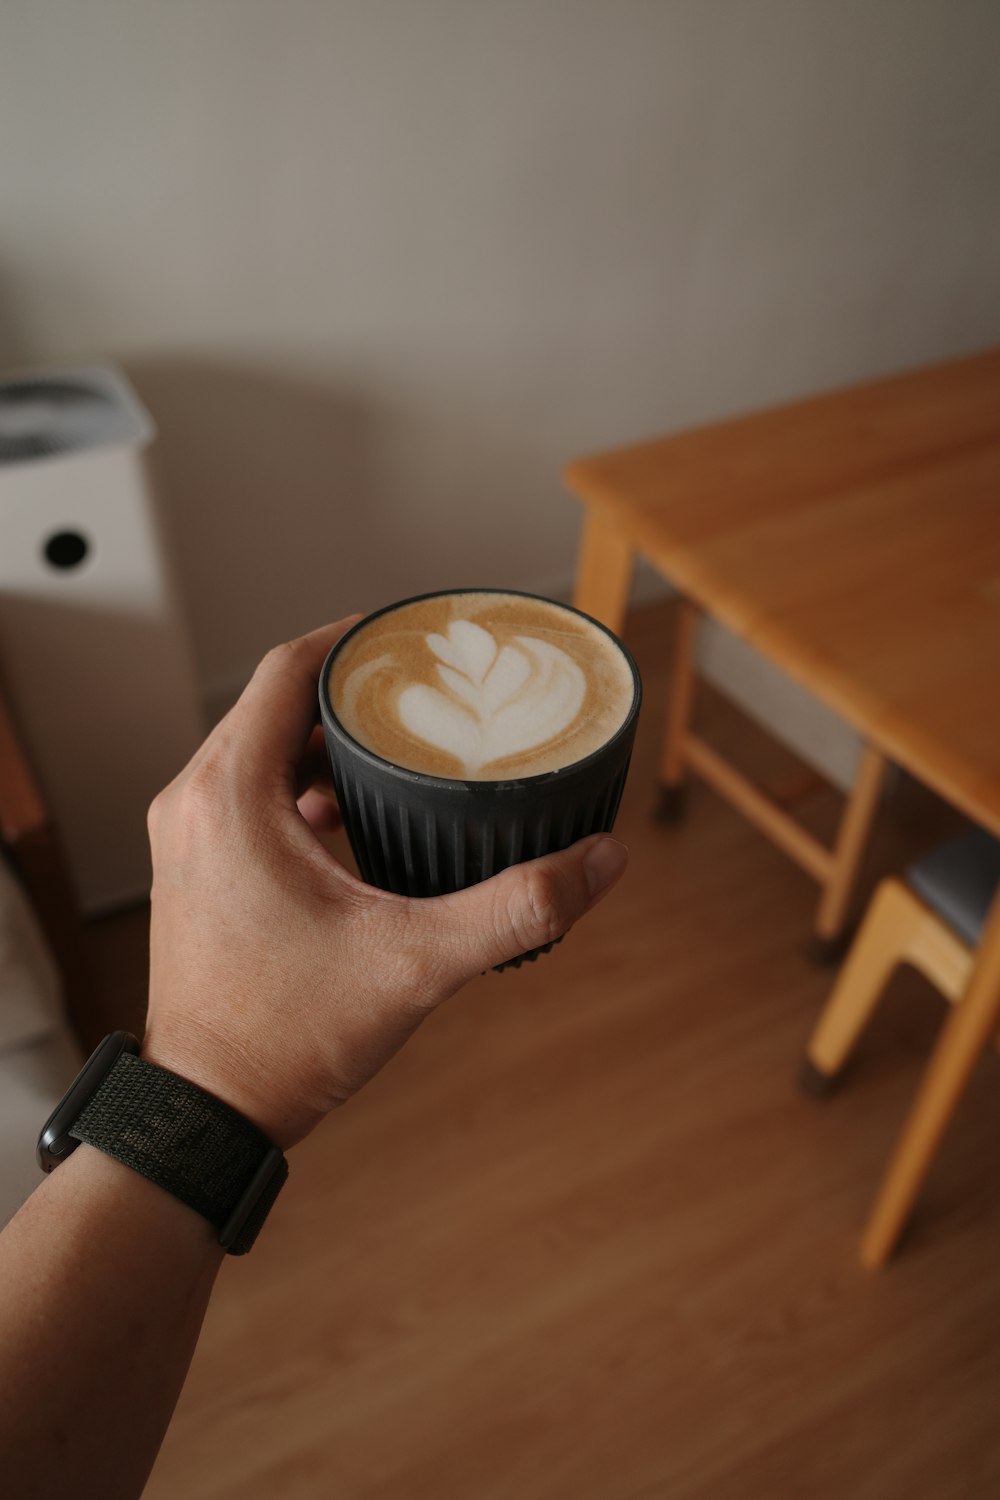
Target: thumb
x=525 y=906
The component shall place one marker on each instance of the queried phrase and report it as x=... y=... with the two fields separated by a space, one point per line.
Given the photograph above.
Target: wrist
x=104 y=1186
x=221 y=1070
x=176 y=1133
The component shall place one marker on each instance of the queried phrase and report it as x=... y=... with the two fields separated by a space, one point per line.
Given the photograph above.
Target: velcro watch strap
x=188 y=1142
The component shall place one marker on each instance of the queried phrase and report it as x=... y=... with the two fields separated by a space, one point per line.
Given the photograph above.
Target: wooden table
x=854 y=539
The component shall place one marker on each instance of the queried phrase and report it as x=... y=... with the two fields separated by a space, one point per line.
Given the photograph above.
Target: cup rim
x=407 y=773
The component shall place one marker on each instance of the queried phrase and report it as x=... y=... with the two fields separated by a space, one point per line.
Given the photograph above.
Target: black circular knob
x=66 y=549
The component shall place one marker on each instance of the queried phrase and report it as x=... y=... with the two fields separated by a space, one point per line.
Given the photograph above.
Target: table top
x=854 y=538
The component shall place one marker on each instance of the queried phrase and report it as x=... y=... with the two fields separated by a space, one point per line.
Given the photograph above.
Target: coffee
x=470 y=730
x=481 y=686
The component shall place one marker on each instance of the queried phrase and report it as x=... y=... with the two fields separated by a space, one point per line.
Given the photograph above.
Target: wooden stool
x=960 y=881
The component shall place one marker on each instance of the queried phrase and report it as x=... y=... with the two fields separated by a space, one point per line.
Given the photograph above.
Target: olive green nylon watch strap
x=188 y=1142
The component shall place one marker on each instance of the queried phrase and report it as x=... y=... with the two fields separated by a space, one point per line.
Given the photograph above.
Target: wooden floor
x=584 y=1240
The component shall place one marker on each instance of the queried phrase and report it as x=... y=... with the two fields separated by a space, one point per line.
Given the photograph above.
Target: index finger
x=271 y=723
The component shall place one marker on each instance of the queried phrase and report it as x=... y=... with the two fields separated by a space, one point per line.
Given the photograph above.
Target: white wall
x=380 y=266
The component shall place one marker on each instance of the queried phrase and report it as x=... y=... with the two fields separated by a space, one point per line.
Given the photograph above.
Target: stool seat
x=958 y=880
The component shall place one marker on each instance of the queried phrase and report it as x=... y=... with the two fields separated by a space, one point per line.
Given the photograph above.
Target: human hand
x=278 y=980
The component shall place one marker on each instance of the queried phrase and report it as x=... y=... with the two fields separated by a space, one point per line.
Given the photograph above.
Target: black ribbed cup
x=420 y=835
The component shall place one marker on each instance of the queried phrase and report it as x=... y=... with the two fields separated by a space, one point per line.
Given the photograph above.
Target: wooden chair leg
x=852 y=836
x=967 y=1031
x=682 y=678
x=604 y=573
x=897 y=929
x=881 y=944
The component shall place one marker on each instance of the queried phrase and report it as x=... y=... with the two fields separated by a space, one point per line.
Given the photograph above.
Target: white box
x=93 y=656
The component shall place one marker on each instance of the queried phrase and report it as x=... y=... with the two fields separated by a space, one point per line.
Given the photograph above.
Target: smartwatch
x=167 y=1129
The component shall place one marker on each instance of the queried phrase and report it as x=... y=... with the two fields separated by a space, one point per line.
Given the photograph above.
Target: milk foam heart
x=496 y=702
x=481 y=686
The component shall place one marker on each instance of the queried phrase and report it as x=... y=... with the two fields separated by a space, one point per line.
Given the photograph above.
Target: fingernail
x=603 y=863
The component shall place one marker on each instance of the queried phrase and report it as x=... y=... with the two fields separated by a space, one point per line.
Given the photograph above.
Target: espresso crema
x=481 y=686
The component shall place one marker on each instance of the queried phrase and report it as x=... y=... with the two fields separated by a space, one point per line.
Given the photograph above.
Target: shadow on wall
x=14 y=346
x=269 y=502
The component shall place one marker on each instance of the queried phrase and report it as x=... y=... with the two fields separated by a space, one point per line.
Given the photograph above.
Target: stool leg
x=967 y=1030
x=852 y=835
x=671 y=775
x=880 y=945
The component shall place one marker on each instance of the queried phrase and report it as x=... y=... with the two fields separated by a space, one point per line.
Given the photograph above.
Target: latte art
x=481 y=686
x=496 y=702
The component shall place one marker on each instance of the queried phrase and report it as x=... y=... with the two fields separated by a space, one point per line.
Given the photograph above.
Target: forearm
x=104 y=1282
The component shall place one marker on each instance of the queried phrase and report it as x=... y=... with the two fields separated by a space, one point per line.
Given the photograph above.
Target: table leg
x=852 y=836
x=966 y=1032
x=671 y=775
x=604 y=572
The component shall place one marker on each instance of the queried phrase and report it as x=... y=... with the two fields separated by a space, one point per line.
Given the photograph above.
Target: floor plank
x=583 y=1238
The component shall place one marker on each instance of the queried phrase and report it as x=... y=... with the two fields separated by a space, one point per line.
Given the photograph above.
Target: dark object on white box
x=41 y=416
